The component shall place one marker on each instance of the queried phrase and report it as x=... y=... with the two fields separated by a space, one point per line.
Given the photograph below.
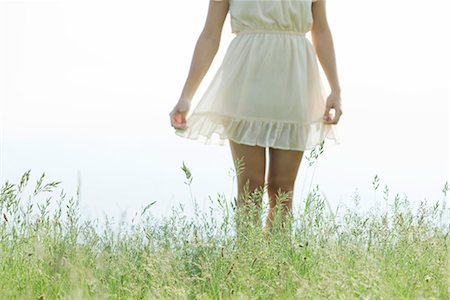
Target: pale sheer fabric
x=267 y=90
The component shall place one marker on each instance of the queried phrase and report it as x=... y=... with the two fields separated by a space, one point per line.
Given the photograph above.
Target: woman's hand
x=333 y=101
x=179 y=112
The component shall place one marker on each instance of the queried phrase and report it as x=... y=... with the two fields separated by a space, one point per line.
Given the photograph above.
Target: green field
x=49 y=251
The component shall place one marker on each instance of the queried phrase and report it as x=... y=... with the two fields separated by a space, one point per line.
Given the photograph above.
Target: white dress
x=267 y=90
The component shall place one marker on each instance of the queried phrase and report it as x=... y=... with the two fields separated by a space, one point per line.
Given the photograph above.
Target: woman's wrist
x=185 y=98
x=336 y=91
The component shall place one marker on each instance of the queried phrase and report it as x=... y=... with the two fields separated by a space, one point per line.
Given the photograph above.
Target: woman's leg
x=250 y=164
x=283 y=169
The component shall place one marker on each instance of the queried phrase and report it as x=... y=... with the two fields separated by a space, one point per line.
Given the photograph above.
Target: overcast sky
x=86 y=88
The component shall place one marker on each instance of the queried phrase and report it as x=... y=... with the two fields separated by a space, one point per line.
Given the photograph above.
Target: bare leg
x=283 y=169
x=250 y=164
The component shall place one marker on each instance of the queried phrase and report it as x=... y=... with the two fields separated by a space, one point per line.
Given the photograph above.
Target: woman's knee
x=280 y=182
x=251 y=183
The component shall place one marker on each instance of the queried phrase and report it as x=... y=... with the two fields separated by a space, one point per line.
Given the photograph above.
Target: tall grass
x=48 y=251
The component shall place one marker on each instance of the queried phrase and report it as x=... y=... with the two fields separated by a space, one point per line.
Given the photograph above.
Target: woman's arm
x=323 y=43
x=205 y=50
x=206 y=47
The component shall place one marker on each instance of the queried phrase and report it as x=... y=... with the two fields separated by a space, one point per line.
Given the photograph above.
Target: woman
x=266 y=93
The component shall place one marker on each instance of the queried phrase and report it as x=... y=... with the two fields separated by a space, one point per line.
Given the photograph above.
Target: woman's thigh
x=250 y=164
x=283 y=167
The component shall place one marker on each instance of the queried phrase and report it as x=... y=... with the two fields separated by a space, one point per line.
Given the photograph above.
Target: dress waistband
x=246 y=31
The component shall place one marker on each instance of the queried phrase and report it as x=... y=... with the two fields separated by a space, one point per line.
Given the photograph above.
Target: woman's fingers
x=179 y=112
x=335 y=120
x=178 y=120
x=337 y=116
x=326 y=115
x=333 y=102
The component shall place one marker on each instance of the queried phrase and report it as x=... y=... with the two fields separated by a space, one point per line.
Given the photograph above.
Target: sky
x=86 y=88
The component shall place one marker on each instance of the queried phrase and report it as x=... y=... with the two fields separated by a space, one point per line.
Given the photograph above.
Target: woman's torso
x=286 y=15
